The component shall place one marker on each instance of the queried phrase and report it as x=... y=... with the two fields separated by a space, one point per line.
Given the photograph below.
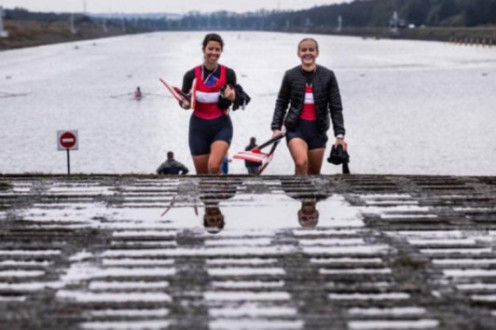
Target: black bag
x=339 y=156
x=242 y=99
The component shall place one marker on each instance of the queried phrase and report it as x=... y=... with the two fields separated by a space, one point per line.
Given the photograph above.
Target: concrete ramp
x=241 y=252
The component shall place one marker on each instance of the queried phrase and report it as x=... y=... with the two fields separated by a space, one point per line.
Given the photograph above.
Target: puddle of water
x=130 y=312
x=127 y=325
x=387 y=311
x=267 y=212
x=393 y=324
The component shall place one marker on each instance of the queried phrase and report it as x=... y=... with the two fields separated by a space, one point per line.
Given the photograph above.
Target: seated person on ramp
x=172 y=166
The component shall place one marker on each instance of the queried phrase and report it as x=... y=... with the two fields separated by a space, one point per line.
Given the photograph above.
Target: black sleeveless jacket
x=326 y=98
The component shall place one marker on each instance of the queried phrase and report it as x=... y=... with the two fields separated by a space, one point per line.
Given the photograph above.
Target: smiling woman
x=312 y=94
x=210 y=127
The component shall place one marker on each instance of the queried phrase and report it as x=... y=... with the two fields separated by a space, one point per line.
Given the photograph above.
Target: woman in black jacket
x=311 y=92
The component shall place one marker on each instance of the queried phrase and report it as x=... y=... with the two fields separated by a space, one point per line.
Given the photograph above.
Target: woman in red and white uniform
x=311 y=93
x=210 y=127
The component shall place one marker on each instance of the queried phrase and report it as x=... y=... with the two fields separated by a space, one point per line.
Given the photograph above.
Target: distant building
x=3 y=33
x=71 y=24
x=396 y=23
x=393 y=22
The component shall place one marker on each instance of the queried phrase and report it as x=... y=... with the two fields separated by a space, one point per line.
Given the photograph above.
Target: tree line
x=377 y=13
x=357 y=14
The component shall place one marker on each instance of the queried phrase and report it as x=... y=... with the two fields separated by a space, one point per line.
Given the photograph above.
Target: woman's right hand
x=186 y=105
x=279 y=132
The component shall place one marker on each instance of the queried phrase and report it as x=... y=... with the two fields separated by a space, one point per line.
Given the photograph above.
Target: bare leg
x=299 y=151
x=201 y=164
x=218 y=150
x=315 y=158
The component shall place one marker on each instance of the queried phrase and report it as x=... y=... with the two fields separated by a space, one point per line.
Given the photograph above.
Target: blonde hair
x=309 y=39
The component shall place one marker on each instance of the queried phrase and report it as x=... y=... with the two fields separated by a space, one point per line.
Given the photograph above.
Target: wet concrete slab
x=241 y=252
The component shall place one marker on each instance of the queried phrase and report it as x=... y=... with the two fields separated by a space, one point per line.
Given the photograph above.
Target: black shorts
x=204 y=132
x=309 y=132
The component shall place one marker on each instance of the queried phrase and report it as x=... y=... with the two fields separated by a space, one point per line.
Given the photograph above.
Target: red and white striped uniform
x=308 y=112
x=207 y=96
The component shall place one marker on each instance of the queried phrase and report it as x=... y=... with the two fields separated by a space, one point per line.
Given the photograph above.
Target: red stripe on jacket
x=309 y=112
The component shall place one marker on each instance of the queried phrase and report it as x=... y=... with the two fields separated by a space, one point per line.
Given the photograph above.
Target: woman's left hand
x=229 y=93
x=341 y=142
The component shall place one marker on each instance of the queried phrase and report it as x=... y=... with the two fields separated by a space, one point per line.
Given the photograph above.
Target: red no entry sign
x=67 y=140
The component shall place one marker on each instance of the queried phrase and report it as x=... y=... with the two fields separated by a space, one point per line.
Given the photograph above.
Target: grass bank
x=30 y=33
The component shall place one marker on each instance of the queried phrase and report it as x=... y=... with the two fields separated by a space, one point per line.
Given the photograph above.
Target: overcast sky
x=168 y=6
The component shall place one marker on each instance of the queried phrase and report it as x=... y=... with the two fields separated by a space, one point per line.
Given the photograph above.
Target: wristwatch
x=340 y=136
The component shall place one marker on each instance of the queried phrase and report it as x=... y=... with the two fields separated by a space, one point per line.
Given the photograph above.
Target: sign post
x=67 y=140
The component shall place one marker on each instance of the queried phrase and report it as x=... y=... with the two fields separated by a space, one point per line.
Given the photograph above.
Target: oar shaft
x=269 y=142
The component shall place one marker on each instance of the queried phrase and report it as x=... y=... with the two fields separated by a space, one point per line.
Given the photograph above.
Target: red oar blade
x=251 y=156
x=256 y=156
x=175 y=91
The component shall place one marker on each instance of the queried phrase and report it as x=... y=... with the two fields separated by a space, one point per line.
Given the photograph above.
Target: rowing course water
x=411 y=107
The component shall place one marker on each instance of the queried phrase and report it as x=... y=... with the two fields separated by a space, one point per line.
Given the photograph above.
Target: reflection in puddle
x=227 y=206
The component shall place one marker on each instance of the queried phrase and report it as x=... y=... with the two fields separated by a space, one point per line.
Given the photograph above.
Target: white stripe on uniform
x=204 y=97
x=308 y=98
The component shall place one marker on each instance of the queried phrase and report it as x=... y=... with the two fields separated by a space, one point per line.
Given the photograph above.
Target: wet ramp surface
x=239 y=252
